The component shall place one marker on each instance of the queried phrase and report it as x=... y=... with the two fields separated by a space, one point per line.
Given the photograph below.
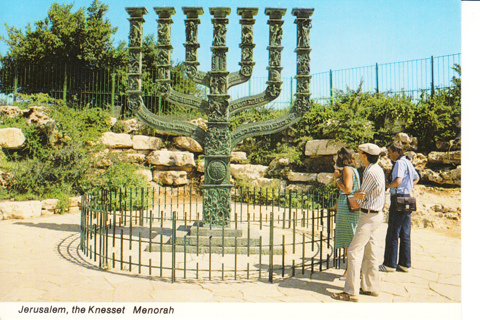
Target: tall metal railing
x=159 y=233
x=107 y=88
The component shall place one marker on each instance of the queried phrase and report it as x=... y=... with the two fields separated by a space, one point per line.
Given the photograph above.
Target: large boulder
x=187 y=143
x=248 y=171
x=274 y=184
x=325 y=178
x=49 y=206
x=238 y=157
x=418 y=160
x=171 y=178
x=11 y=138
x=173 y=160
x=37 y=116
x=453 y=157
x=146 y=143
x=449 y=177
x=116 y=140
x=132 y=125
x=323 y=147
x=10 y=111
x=20 y=209
x=145 y=173
x=301 y=177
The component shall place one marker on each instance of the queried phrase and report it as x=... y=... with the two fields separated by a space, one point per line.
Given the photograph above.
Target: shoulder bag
x=406 y=204
x=353 y=204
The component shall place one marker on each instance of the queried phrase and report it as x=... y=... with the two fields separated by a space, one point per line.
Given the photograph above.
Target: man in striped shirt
x=363 y=251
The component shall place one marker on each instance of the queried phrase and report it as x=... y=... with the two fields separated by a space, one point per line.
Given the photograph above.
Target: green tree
x=82 y=38
x=436 y=117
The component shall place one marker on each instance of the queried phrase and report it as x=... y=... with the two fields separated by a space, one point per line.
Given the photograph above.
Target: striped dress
x=346 y=222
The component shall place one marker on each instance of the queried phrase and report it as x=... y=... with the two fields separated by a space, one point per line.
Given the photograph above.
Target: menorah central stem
x=217 y=187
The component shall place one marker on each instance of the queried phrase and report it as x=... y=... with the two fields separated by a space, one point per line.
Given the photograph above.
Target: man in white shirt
x=363 y=250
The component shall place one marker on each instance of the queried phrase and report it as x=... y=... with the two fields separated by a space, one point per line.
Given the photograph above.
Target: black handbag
x=406 y=204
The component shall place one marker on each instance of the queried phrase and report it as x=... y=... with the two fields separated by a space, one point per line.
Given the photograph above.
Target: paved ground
x=39 y=262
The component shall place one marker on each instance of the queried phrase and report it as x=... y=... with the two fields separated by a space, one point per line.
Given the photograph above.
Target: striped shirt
x=374 y=186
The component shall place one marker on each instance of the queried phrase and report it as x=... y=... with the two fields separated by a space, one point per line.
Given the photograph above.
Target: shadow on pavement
x=52 y=226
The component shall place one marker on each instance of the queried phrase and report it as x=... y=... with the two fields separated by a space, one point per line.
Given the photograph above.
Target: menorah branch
x=163 y=124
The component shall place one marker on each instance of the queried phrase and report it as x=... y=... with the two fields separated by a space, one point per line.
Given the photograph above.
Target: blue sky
x=345 y=34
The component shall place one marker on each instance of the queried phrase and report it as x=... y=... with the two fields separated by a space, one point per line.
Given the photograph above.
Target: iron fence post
x=433 y=83
x=331 y=87
x=65 y=81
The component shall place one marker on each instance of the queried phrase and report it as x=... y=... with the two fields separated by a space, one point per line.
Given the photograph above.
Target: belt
x=368 y=211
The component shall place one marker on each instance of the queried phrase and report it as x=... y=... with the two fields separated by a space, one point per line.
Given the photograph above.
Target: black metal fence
x=159 y=232
x=107 y=88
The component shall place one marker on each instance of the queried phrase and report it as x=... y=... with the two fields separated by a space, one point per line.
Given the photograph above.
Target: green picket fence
x=159 y=233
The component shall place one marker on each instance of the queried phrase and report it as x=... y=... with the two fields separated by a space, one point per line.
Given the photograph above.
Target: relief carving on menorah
x=218 y=140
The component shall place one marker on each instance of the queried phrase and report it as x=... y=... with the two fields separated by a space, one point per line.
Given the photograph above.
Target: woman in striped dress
x=348 y=181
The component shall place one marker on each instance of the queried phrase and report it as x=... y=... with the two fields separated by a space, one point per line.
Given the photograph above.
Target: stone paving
x=40 y=262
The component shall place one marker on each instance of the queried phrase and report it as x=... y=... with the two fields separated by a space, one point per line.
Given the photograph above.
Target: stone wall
x=177 y=161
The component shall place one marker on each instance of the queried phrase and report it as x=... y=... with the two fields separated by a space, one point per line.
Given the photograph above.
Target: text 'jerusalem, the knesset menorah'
x=218 y=140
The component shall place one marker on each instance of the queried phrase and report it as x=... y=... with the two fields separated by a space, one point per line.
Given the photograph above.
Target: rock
x=37 y=116
x=145 y=173
x=284 y=162
x=453 y=157
x=248 y=171
x=102 y=159
x=301 y=177
x=325 y=178
x=172 y=159
x=274 y=184
x=49 y=206
x=75 y=201
x=134 y=157
x=20 y=209
x=116 y=140
x=385 y=163
x=10 y=111
x=238 y=157
x=201 y=166
x=298 y=187
x=418 y=160
x=324 y=147
x=187 y=144
x=403 y=138
x=132 y=125
x=407 y=142
x=11 y=138
x=5 y=178
x=171 y=178
x=452 y=145
x=450 y=177
x=146 y=143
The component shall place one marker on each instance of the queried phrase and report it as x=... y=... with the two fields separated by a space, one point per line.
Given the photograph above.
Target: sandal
x=344 y=297
x=368 y=293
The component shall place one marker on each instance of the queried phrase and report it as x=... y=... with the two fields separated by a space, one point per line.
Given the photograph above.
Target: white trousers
x=363 y=253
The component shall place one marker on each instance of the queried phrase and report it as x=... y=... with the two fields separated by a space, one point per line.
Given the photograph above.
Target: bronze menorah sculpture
x=218 y=140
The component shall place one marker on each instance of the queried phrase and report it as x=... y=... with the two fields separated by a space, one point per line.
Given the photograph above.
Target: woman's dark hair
x=345 y=157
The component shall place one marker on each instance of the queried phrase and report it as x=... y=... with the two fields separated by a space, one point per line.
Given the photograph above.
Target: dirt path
x=439 y=209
